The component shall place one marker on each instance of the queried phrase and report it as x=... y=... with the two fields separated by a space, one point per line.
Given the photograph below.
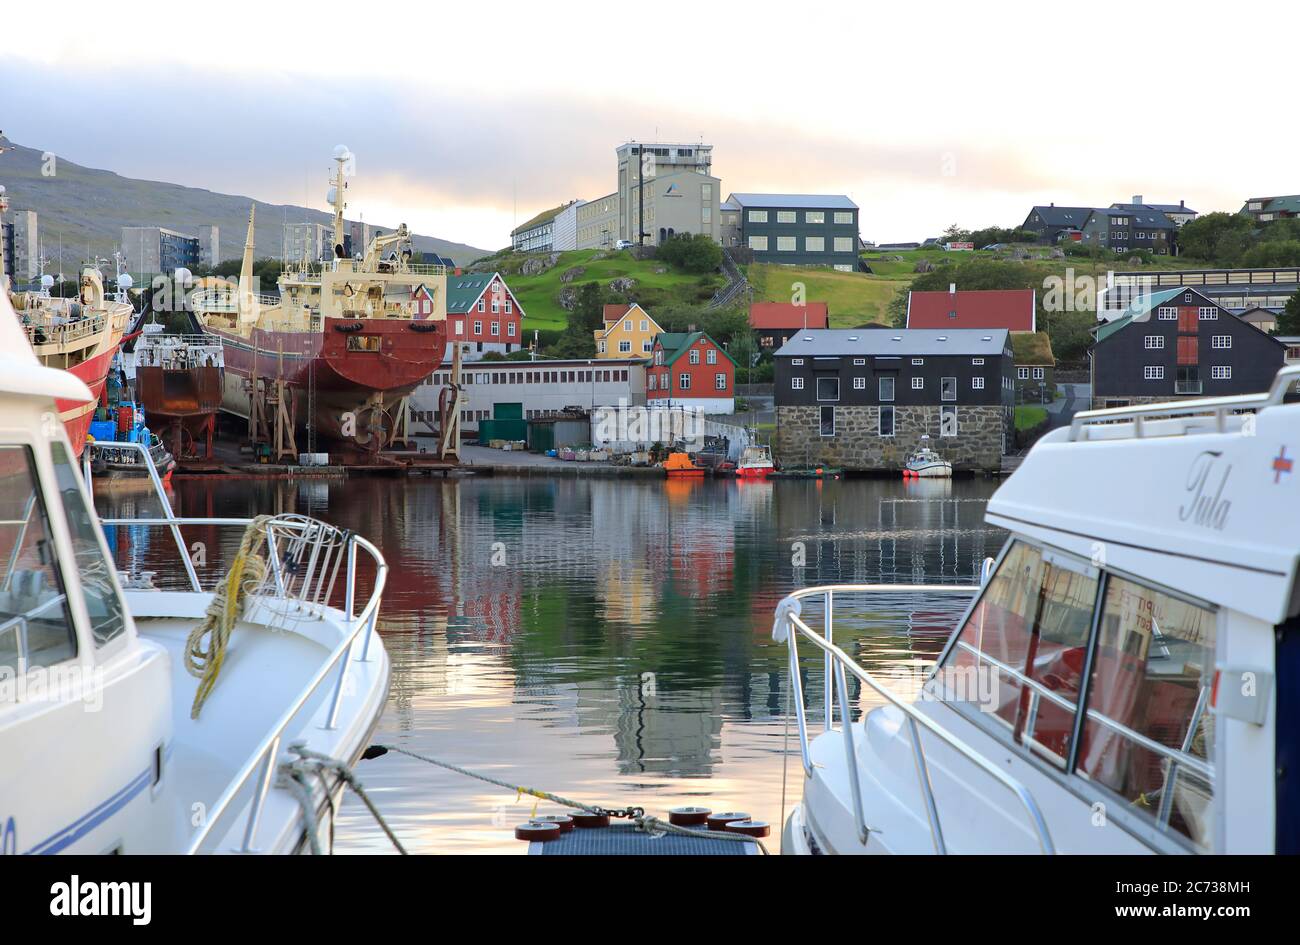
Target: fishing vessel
x=925 y=463
x=681 y=466
x=135 y=717
x=178 y=382
x=78 y=335
x=1123 y=679
x=343 y=343
x=755 y=463
x=113 y=453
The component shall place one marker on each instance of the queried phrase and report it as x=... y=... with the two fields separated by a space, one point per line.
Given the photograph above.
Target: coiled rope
x=311 y=762
x=645 y=822
x=246 y=572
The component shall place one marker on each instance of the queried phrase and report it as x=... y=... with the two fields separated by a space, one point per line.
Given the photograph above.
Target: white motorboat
x=925 y=463
x=106 y=748
x=1124 y=677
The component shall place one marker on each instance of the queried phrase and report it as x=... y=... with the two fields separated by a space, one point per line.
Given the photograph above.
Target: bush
x=692 y=253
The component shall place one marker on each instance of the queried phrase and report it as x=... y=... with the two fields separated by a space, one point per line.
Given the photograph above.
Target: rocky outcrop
x=568 y=297
x=623 y=284
x=535 y=265
x=570 y=274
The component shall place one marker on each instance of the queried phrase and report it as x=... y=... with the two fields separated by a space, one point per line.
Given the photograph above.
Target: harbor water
x=608 y=640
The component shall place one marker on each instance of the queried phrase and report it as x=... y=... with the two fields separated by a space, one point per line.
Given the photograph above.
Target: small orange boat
x=679 y=465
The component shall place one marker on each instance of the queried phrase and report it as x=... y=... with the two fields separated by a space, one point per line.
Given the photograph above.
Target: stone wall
x=1099 y=403
x=858 y=446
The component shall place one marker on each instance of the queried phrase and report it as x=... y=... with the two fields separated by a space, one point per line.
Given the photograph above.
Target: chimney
x=952 y=288
x=1052 y=204
x=1182 y=204
x=690 y=327
x=1137 y=199
x=457 y=271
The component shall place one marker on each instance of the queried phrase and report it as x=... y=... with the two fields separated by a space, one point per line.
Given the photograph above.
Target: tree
x=691 y=252
x=1288 y=323
x=955 y=234
x=1218 y=238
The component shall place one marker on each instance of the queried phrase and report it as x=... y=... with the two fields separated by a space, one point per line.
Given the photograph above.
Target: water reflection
x=605 y=639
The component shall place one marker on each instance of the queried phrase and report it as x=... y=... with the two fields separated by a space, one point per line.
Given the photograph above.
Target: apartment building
x=1268 y=209
x=597 y=223
x=800 y=229
x=537 y=235
x=209 y=245
x=666 y=189
x=483 y=315
x=155 y=249
x=1127 y=228
x=311 y=242
x=21 y=247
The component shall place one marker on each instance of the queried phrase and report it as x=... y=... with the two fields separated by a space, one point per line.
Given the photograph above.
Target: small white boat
x=755 y=463
x=108 y=747
x=1123 y=679
x=925 y=463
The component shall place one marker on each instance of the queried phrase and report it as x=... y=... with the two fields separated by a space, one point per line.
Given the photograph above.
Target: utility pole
x=640 y=194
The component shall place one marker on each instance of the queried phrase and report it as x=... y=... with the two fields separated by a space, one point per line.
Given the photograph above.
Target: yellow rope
x=247 y=571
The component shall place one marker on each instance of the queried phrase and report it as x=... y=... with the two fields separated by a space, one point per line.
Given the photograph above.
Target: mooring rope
x=313 y=762
x=645 y=822
x=246 y=571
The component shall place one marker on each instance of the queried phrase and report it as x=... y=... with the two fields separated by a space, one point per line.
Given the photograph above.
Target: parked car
x=623 y=244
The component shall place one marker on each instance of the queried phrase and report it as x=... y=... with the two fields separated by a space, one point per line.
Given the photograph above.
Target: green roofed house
x=689 y=369
x=1179 y=343
x=1035 y=366
x=1268 y=209
x=483 y=315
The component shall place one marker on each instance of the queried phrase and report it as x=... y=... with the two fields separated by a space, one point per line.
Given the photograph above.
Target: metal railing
x=305 y=557
x=838 y=666
x=226 y=301
x=1220 y=408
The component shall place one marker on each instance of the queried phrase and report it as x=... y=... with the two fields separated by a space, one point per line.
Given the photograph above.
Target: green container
x=541 y=436
x=508 y=411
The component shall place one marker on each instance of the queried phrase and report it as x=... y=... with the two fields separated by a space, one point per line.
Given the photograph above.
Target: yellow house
x=629 y=332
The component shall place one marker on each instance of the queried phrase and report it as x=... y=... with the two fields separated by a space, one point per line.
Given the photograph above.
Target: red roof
x=1012 y=309
x=778 y=315
x=614 y=312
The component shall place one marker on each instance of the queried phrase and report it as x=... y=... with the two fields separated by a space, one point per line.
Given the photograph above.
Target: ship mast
x=247 y=307
x=342 y=157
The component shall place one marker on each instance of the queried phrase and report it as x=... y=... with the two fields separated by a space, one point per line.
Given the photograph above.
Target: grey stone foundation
x=857 y=446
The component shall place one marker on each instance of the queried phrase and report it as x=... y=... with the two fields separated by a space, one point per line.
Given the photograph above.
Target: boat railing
x=306 y=559
x=838 y=666
x=226 y=301
x=1193 y=411
x=62 y=329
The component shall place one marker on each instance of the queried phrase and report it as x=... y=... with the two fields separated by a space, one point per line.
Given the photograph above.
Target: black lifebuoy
x=750 y=828
x=563 y=821
x=720 y=821
x=688 y=816
x=587 y=821
x=539 y=832
x=355 y=326
x=423 y=326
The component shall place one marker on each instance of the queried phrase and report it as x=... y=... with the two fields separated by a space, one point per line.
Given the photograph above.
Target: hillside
x=83 y=205
x=656 y=283
x=853 y=298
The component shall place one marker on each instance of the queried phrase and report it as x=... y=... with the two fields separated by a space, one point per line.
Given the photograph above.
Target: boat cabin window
x=1147 y=737
x=93 y=567
x=1025 y=641
x=36 y=626
x=1151 y=677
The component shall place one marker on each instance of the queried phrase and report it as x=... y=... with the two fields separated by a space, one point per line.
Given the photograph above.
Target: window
x=918 y=383
x=1153 y=342
x=859 y=383
x=496 y=305
x=785 y=244
x=1151 y=669
x=645 y=325
x=683 y=381
x=828 y=421
x=860 y=361
x=814 y=244
x=785 y=216
x=918 y=360
x=625 y=347
x=796 y=360
x=828 y=388
x=478 y=328
x=1207 y=313
x=1022 y=373
x=1153 y=372
x=978 y=362
x=758 y=216
x=650 y=382
x=886 y=388
x=694 y=356
x=1221 y=341
x=1039 y=373
x=646 y=346
x=1030 y=632
x=496 y=328
x=1221 y=372
x=796 y=383
x=34 y=604
x=627 y=325
x=509 y=307
x=720 y=381
x=977 y=383
x=947 y=388
x=843 y=216
x=1167 y=313
x=814 y=216
x=948 y=420
x=510 y=329
x=758 y=243
x=711 y=356
x=601 y=346
x=886 y=427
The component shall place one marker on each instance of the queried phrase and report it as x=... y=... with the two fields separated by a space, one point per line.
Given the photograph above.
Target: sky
x=926 y=114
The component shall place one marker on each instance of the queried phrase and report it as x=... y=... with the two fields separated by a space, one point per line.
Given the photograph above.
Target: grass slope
x=854 y=298
x=539 y=294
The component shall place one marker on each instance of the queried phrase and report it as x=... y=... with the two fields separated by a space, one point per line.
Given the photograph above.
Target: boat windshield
x=36 y=628
x=1028 y=640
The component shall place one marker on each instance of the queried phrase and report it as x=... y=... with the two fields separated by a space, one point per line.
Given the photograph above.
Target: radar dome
x=2 y=188
x=47 y=281
x=183 y=275
x=124 y=281
x=341 y=152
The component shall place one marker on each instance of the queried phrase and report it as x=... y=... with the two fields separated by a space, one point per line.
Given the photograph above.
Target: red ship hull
x=76 y=415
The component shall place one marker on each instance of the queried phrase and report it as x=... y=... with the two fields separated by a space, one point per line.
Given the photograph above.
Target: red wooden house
x=690 y=369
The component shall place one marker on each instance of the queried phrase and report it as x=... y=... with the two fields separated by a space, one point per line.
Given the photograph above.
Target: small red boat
x=755 y=463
